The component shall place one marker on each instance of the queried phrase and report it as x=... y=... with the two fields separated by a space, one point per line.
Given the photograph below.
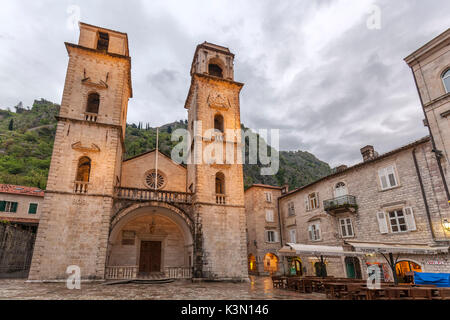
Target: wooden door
x=150 y=257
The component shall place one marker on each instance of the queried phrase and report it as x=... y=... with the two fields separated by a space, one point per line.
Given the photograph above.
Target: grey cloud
x=355 y=90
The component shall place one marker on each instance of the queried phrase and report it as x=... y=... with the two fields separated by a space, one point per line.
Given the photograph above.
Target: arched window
x=446 y=80
x=93 y=103
x=340 y=190
x=84 y=169
x=220 y=183
x=218 y=122
x=215 y=70
x=270 y=263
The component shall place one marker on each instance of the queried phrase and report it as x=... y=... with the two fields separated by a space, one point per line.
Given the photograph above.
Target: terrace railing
x=153 y=195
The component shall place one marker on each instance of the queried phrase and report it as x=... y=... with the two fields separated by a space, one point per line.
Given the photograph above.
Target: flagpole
x=156 y=158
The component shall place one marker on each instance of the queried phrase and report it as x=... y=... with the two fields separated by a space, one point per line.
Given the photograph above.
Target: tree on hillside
x=11 y=125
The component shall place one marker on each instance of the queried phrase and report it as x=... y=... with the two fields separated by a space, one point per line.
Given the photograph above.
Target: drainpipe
x=424 y=196
x=281 y=234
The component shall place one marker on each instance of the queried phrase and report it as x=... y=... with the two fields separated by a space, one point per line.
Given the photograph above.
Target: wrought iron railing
x=342 y=202
x=153 y=195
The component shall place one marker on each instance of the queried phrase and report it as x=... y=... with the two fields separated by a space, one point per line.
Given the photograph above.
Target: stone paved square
x=259 y=288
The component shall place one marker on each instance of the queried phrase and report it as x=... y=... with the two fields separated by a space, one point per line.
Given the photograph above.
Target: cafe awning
x=293 y=249
x=370 y=247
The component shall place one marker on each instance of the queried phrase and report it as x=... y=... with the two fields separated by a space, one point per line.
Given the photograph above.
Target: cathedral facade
x=148 y=215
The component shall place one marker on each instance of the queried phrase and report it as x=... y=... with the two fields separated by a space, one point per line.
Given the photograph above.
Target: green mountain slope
x=26 y=142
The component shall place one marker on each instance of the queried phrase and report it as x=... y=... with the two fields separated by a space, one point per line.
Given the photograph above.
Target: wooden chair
x=353 y=292
x=444 y=294
x=277 y=281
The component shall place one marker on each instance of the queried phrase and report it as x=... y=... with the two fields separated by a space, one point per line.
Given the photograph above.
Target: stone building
x=21 y=205
x=145 y=216
x=390 y=211
x=263 y=228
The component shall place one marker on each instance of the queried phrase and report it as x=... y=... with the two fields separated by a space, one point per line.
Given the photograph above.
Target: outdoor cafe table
x=397 y=292
x=335 y=287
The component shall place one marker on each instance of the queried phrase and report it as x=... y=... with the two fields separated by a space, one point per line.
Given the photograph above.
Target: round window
x=155 y=180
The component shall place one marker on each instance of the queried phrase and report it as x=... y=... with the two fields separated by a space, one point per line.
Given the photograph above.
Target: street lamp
x=446 y=224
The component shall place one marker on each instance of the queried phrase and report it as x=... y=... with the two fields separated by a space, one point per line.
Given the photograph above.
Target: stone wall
x=16 y=249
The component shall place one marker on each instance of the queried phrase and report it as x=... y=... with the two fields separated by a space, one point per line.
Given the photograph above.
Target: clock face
x=155 y=180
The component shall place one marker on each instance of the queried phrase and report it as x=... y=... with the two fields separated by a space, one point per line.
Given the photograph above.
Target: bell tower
x=215 y=173
x=430 y=65
x=87 y=157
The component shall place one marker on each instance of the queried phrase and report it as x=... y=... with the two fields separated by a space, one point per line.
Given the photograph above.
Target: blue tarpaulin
x=438 y=279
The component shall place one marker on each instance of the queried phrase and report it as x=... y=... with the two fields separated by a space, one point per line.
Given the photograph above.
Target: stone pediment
x=80 y=147
x=218 y=100
x=100 y=84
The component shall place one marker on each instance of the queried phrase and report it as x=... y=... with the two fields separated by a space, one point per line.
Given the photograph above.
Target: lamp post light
x=446 y=224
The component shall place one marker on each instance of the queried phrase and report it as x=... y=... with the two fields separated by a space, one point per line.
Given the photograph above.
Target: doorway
x=150 y=257
x=353 y=268
x=405 y=271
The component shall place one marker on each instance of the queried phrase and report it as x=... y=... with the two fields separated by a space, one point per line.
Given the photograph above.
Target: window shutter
x=306 y=203
x=391 y=176
x=317 y=200
x=2 y=205
x=382 y=222
x=266 y=236
x=310 y=231
x=33 y=208
x=275 y=236
x=319 y=234
x=409 y=217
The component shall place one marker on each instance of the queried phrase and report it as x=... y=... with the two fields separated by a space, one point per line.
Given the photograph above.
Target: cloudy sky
x=311 y=68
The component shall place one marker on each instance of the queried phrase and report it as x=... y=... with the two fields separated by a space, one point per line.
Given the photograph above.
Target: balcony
x=80 y=187
x=341 y=204
x=220 y=198
x=153 y=195
x=90 y=116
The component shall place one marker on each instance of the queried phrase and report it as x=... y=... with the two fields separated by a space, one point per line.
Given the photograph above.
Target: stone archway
x=150 y=238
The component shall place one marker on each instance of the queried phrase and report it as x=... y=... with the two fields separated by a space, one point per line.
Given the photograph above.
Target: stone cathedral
x=144 y=216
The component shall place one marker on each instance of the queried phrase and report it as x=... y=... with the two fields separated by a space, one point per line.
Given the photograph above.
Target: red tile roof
x=29 y=191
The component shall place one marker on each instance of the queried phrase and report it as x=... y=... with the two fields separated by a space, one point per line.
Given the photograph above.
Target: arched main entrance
x=148 y=239
x=270 y=263
x=404 y=270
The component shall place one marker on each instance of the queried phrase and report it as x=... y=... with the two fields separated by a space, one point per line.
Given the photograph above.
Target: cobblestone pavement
x=257 y=288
